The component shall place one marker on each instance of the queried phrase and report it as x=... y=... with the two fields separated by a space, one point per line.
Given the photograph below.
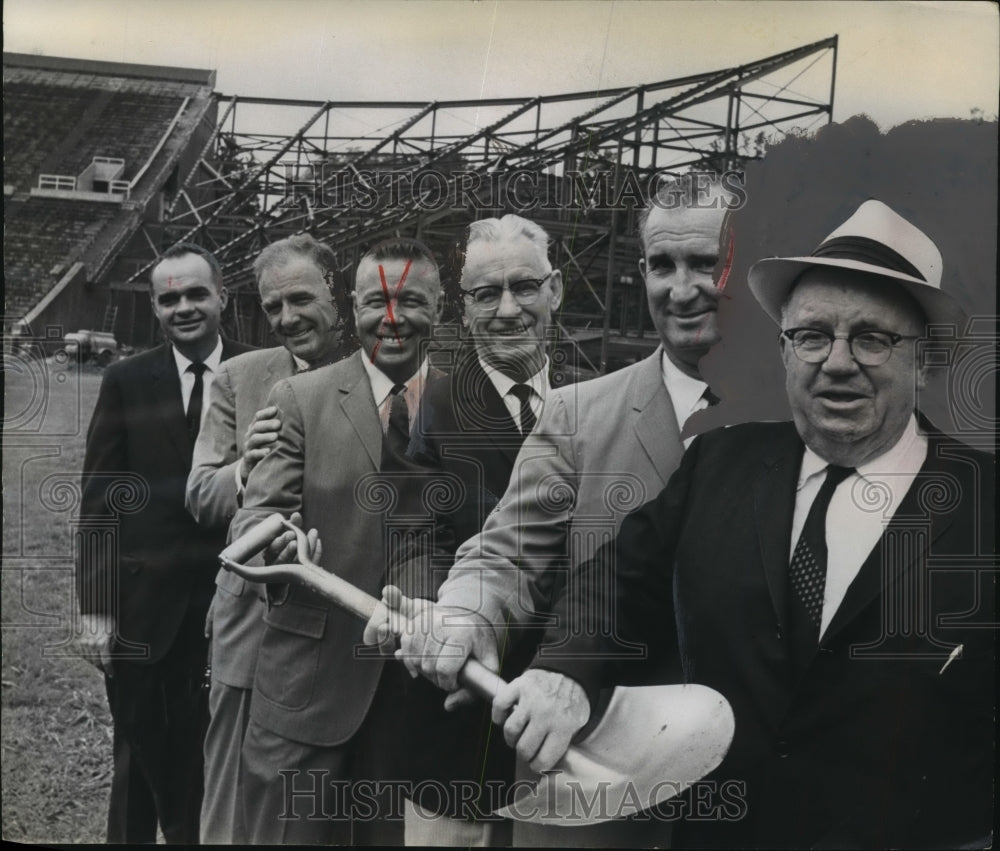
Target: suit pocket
x=289 y=654
x=230 y=582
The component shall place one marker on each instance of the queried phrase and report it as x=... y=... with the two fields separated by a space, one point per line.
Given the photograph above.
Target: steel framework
x=579 y=164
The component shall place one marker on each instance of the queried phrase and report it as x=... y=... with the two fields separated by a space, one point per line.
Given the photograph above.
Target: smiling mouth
x=841 y=396
x=191 y=323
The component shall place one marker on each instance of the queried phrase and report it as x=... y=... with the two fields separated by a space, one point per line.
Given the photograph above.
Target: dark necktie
x=197 y=397
x=710 y=397
x=523 y=393
x=397 y=434
x=807 y=572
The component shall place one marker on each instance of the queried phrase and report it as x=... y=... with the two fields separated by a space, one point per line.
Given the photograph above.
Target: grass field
x=56 y=728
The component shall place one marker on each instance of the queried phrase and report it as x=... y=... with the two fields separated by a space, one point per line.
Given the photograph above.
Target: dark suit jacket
x=871 y=746
x=465 y=439
x=135 y=469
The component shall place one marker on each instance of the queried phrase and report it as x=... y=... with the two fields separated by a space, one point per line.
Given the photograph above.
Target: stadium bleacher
x=43 y=234
x=36 y=119
x=129 y=127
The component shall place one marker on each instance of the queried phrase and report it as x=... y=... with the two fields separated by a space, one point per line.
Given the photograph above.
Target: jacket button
x=781 y=746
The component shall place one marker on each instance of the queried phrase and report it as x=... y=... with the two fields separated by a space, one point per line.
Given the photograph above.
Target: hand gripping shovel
x=651 y=743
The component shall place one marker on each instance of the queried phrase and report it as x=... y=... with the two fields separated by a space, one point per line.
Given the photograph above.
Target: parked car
x=98 y=346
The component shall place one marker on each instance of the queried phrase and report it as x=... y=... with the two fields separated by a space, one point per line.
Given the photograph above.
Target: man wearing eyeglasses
x=847 y=612
x=467 y=434
x=601 y=449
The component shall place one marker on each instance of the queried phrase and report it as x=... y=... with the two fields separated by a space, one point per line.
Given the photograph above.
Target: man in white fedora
x=832 y=577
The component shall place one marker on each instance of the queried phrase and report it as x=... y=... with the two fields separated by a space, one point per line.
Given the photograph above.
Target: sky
x=897 y=60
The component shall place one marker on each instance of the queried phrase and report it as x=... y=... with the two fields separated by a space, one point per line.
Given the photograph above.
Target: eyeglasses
x=868 y=348
x=525 y=292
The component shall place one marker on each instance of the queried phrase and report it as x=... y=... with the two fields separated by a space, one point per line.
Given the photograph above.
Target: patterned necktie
x=397 y=434
x=523 y=393
x=193 y=415
x=807 y=572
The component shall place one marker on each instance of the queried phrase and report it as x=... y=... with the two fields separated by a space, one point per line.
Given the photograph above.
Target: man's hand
x=437 y=640
x=543 y=711
x=388 y=620
x=261 y=433
x=93 y=641
x=284 y=548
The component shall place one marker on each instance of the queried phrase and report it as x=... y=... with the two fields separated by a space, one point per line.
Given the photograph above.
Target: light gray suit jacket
x=239 y=390
x=313 y=683
x=601 y=449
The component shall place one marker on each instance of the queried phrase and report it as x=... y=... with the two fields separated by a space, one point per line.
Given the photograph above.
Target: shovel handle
x=474 y=675
x=252 y=542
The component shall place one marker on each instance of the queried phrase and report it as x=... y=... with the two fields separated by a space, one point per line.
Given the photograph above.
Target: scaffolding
x=579 y=164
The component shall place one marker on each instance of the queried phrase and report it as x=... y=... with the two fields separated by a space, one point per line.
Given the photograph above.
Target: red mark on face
x=170 y=281
x=724 y=277
x=389 y=301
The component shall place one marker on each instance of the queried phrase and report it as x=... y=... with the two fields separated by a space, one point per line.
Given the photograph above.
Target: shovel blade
x=650 y=745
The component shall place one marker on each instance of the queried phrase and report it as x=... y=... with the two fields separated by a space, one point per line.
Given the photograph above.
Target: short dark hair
x=179 y=249
x=678 y=192
x=307 y=246
x=399 y=248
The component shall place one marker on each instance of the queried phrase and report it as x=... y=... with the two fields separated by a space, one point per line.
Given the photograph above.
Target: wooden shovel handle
x=342 y=593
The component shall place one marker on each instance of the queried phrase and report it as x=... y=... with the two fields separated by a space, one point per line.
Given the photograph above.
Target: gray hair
x=511 y=227
x=301 y=245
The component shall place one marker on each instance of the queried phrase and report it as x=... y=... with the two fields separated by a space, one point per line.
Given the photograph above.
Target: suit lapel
x=774 y=503
x=655 y=422
x=359 y=407
x=166 y=390
x=888 y=560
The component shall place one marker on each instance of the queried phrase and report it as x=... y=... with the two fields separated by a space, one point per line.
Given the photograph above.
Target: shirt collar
x=382 y=385
x=539 y=382
x=300 y=365
x=906 y=455
x=685 y=391
x=212 y=361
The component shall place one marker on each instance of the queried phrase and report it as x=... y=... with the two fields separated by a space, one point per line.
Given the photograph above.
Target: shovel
x=651 y=743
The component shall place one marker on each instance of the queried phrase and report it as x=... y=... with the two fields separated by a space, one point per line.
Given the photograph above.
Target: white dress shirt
x=861 y=507
x=187 y=378
x=382 y=386
x=504 y=384
x=687 y=394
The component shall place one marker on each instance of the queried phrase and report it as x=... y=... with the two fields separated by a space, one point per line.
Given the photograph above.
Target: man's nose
x=185 y=305
x=684 y=286
x=840 y=359
x=508 y=307
x=288 y=314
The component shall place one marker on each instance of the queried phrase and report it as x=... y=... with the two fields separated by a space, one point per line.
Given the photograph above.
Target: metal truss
x=579 y=164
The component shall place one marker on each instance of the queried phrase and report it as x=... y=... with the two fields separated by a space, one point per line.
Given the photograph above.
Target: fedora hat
x=875 y=241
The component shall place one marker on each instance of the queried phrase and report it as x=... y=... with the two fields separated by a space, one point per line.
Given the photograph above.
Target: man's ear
x=556 y=286
x=924 y=373
x=223 y=297
x=642 y=267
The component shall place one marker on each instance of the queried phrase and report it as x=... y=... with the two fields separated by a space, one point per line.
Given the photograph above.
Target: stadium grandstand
x=108 y=164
